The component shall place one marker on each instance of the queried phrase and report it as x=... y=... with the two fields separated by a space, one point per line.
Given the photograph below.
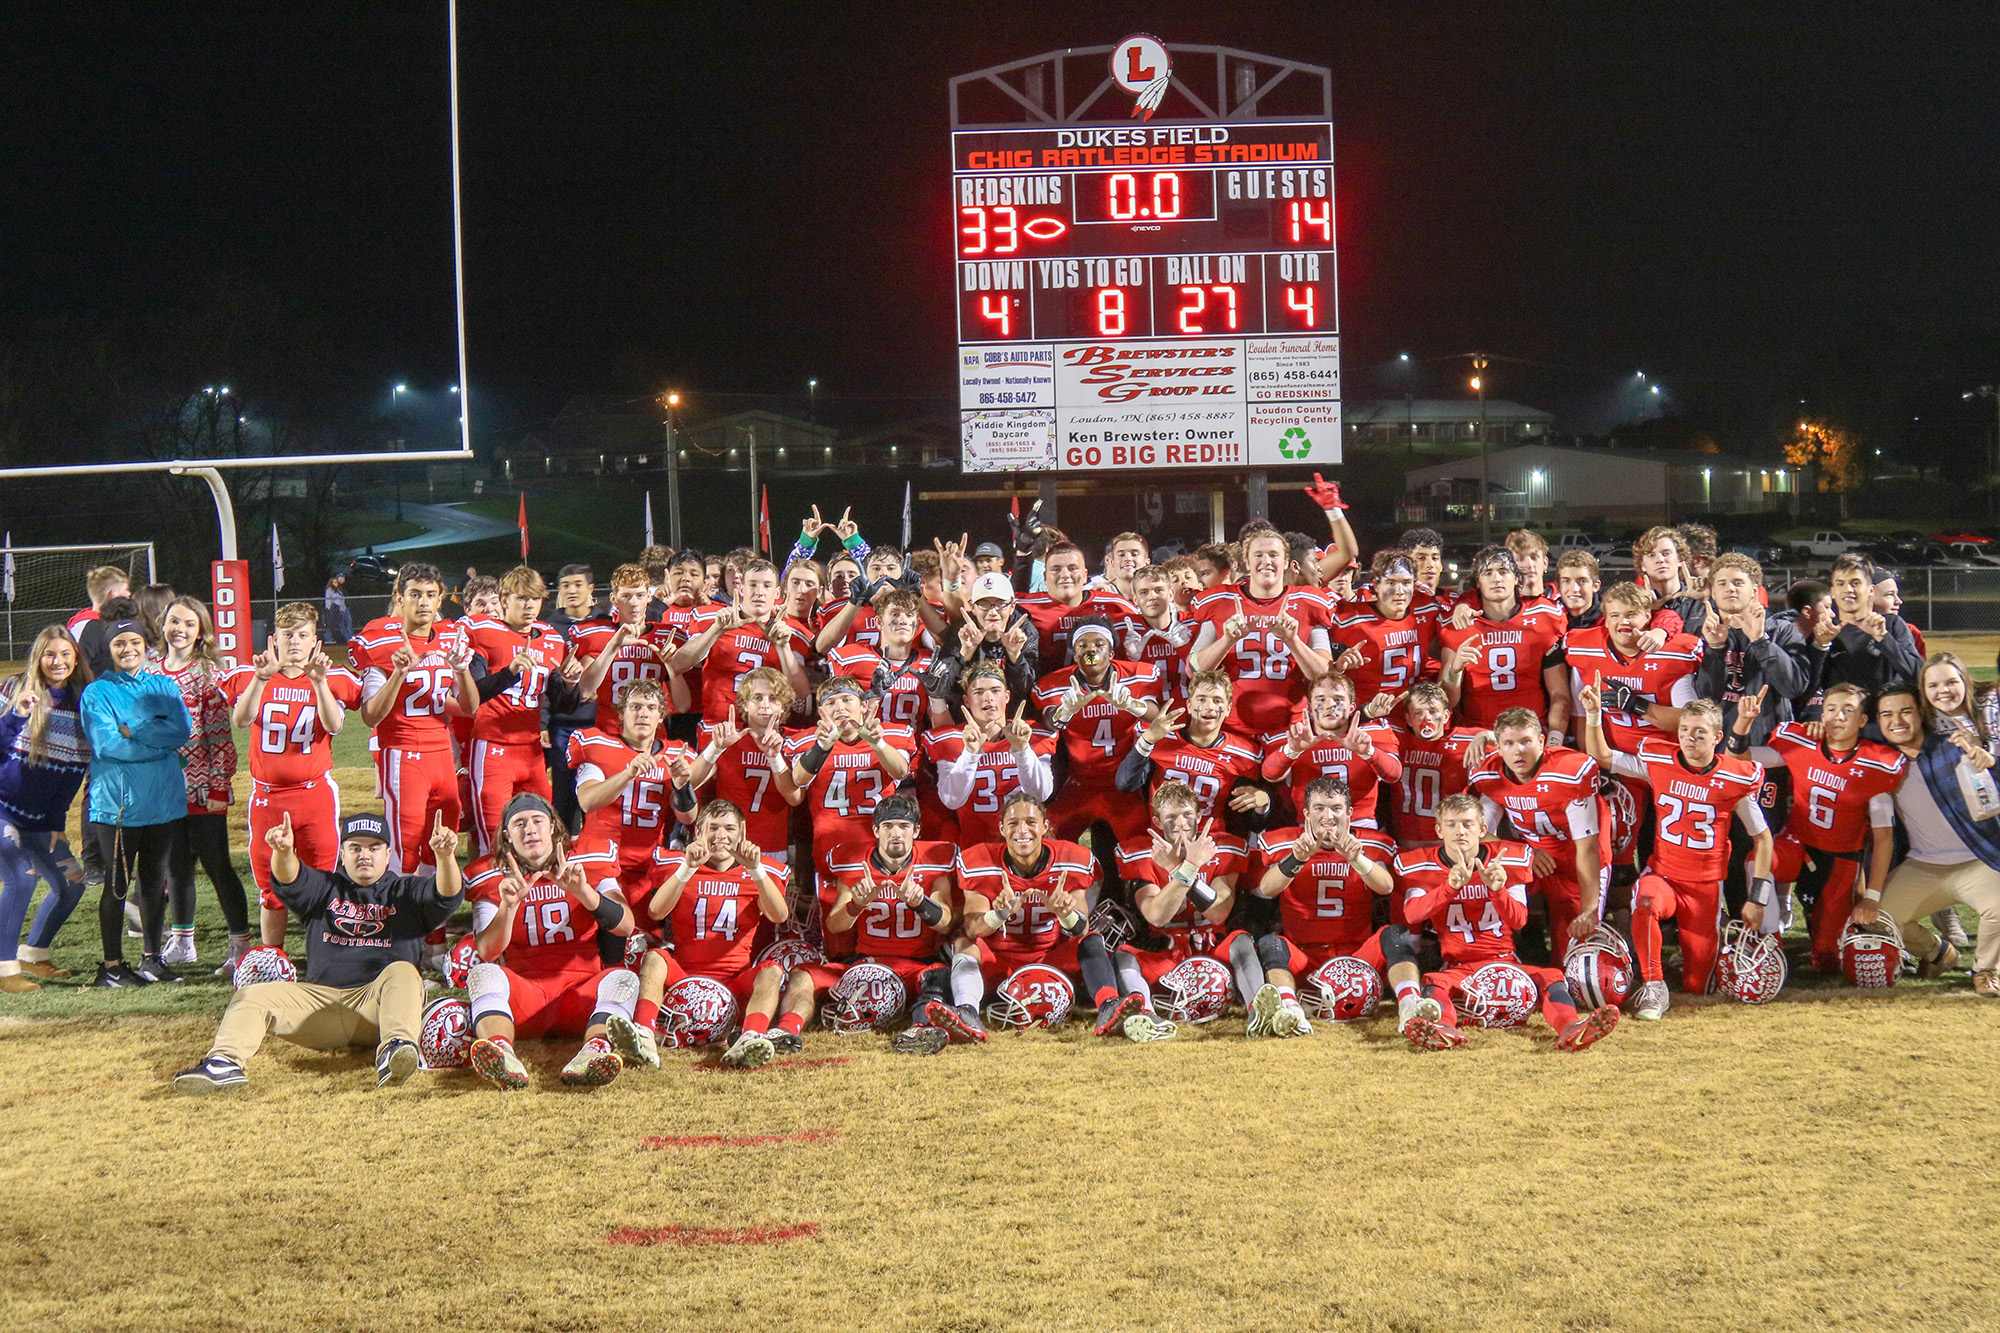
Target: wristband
x=1762 y=891
x=1595 y=719
x=1872 y=895
x=608 y=912
x=1142 y=747
x=1073 y=924
x=1201 y=895
x=712 y=753
x=993 y=919
x=1291 y=865
x=1736 y=743
x=931 y=911
x=812 y=759
x=684 y=798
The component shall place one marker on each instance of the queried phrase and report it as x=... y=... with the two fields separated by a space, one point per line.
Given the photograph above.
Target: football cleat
x=1431 y=1035
x=1263 y=1010
x=396 y=1062
x=493 y=1059
x=1650 y=1003
x=1145 y=1027
x=920 y=1041
x=214 y=1071
x=1588 y=1028
x=1418 y=1006
x=785 y=1043
x=594 y=1065
x=1291 y=1020
x=958 y=1023
x=752 y=1050
x=632 y=1041
x=1111 y=1014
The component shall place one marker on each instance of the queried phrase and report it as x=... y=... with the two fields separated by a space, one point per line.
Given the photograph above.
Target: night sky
x=734 y=198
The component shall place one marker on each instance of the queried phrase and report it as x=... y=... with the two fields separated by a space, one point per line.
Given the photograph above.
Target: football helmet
x=1196 y=991
x=1751 y=966
x=445 y=1039
x=1599 y=969
x=1872 y=956
x=1343 y=989
x=695 y=1011
x=1624 y=817
x=458 y=963
x=790 y=952
x=1036 y=996
x=1113 y=922
x=264 y=963
x=867 y=996
x=1498 y=995
x=636 y=945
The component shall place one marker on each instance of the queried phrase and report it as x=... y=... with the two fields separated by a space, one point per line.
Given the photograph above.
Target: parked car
x=370 y=572
x=1823 y=546
x=1594 y=542
x=1978 y=555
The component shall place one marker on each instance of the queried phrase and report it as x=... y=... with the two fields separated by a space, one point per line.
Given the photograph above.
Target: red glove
x=1324 y=493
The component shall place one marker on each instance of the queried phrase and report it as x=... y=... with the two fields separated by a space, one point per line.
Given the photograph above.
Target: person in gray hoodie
x=1745 y=649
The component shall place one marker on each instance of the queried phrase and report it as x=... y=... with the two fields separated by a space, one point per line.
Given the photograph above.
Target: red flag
x=764 y=518
x=522 y=524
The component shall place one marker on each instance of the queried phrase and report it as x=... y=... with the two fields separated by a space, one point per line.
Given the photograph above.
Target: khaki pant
x=323 y=1018
x=1918 y=888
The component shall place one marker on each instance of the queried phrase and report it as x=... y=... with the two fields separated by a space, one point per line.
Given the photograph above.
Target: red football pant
x=1441 y=984
x=739 y=983
x=1697 y=907
x=1834 y=875
x=997 y=965
x=497 y=772
x=1306 y=960
x=416 y=786
x=554 y=1004
x=1076 y=808
x=315 y=811
x=1563 y=899
x=825 y=976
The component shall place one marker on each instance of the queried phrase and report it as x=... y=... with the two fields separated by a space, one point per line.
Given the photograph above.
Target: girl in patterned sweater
x=43 y=761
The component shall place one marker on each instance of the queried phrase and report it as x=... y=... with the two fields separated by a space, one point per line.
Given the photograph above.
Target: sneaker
x=785 y=1043
x=214 y=1071
x=179 y=950
x=1418 y=1006
x=396 y=1062
x=1291 y=1020
x=46 y=971
x=1650 y=1004
x=238 y=946
x=1945 y=961
x=1263 y=1013
x=1986 y=985
x=1947 y=924
x=633 y=1041
x=957 y=1022
x=152 y=968
x=751 y=1050
x=1143 y=1026
x=1111 y=1014
x=594 y=1065
x=1588 y=1028
x=114 y=976
x=493 y=1059
x=920 y=1041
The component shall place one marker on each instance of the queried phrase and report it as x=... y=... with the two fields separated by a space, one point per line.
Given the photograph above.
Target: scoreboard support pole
x=1258 y=493
x=1045 y=495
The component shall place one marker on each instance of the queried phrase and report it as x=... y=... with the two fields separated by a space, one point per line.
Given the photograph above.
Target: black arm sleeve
x=492 y=683
x=1135 y=772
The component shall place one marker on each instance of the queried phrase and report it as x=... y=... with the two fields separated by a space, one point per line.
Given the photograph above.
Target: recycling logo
x=1294 y=443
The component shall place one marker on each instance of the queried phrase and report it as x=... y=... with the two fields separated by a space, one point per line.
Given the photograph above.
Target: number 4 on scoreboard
x=998 y=310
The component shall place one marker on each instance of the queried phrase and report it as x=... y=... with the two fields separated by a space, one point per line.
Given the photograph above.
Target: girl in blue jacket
x=43 y=760
x=136 y=724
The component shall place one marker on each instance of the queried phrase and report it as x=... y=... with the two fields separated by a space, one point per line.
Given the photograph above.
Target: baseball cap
x=988 y=548
x=997 y=586
x=364 y=826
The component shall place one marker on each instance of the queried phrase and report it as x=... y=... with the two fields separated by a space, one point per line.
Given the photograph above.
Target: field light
x=673 y=400
x=1404 y=357
x=1475 y=381
x=1656 y=388
x=400 y=388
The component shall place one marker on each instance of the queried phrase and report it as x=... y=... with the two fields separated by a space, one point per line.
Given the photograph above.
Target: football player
x=414 y=675
x=1067 y=600
x=1643 y=688
x=893 y=670
x=1326 y=876
x=1025 y=902
x=743 y=754
x=734 y=640
x=681 y=602
x=843 y=768
x=1165 y=637
x=1509 y=655
x=1695 y=788
x=1334 y=739
x=1183 y=876
x=1095 y=706
x=982 y=764
x=295 y=701
x=536 y=914
x=710 y=895
x=512 y=658
x=632 y=786
x=1549 y=795
x=1124 y=555
x=1666 y=569
x=1577 y=582
x=1474 y=890
x=621 y=647
x=1436 y=757
x=1270 y=639
x=1203 y=755
x=1382 y=643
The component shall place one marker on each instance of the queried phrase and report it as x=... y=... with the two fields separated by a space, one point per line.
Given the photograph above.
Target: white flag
x=906 y=516
x=277 y=563
x=649 y=519
x=10 y=569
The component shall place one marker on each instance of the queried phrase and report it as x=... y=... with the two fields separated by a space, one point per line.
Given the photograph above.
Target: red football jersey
x=1393 y=655
x=1432 y=770
x=637 y=659
x=863 y=631
x=743 y=775
x=675 y=628
x=514 y=716
x=289 y=742
x=998 y=777
x=849 y=785
x=1666 y=675
x=1473 y=925
x=1188 y=929
x=1508 y=671
x=713 y=927
x=1691 y=811
x=1330 y=757
x=643 y=812
x=1053 y=620
x=887 y=927
x=552 y=932
x=417 y=721
x=1327 y=902
x=907 y=703
x=1555 y=806
x=1830 y=795
x=735 y=654
x=1097 y=738
x=1268 y=683
x=1212 y=770
x=1031 y=927
x=1166 y=649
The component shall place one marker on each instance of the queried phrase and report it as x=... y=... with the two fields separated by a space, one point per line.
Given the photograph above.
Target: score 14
x=1298 y=290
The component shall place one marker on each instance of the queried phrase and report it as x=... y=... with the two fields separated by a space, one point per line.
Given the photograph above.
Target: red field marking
x=738 y=1140
x=783 y=1066
x=698 y=1236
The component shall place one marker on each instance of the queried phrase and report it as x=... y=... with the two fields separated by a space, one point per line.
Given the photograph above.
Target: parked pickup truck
x=1594 y=542
x=1823 y=546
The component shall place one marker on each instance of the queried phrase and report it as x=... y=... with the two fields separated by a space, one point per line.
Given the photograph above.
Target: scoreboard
x=1146 y=296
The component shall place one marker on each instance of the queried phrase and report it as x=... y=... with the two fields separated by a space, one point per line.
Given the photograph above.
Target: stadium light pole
x=1485 y=472
x=673 y=400
x=1993 y=468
